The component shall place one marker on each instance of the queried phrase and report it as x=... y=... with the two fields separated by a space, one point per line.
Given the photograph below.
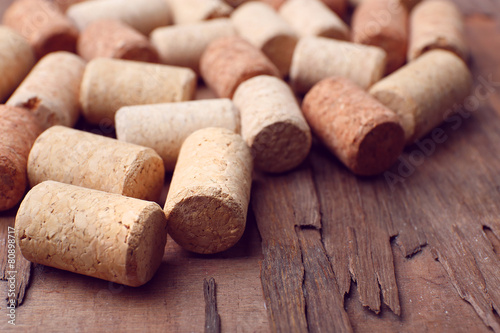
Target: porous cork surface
x=207 y=202
x=191 y=11
x=365 y=135
x=299 y=14
x=272 y=124
x=437 y=24
x=229 y=61
x=164 y=127
x=109 y=84
x=317 y=58
x=144 y=16
x=183 y=45
x=107 y=236
x=93 y=161
x=50 y=91
x=265 y=29
x=18 y=131
x=108 y=38
x=43 y=24
x=390 y=35
x=424 y=92
x=16 y=60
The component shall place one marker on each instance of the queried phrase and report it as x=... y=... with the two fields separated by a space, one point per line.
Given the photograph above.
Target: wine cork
x=183 y=45
x=97 y=162
x=65 y=4
x=316 y=58
x=109 y=84
x=16 y=60
x=338 y=6
x=144 y=16
x=50 y=92
x=276 y=4
x=103 y=235
x=207 y=202
x=423 y=92
x=298 y=14
x=113 y=39
x=261 y=25
x=45 y=27
x=164 y=127
x=235 y=3
x=383 y=23
x=272 y=124
x=437 y=24
x=365 y=135
x=228 y=61
x=18 y=132
x=191 y=11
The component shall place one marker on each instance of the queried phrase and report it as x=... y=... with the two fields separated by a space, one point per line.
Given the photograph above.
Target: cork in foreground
x=104 y=235
x=365 y=135
x=228 y=61
x=50 y=91
x=94 y=161
x=272 y=124
x=18 y=131
x=207 y=202
x=109 y=84
x=164 y=127
x=424 y=92
x=192 y=11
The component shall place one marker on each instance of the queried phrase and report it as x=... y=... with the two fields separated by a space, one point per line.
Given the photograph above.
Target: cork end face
x=146 y=176
x=12 y=182
x=64 y=40
x=280 y=51
x=144 y=53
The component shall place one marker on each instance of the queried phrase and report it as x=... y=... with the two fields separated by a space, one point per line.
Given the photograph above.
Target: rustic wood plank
x=212 y=318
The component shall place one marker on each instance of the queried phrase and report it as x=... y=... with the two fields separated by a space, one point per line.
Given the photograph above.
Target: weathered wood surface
x=212 y=318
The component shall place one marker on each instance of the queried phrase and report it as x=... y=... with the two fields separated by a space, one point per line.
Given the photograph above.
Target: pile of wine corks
x=284 y=73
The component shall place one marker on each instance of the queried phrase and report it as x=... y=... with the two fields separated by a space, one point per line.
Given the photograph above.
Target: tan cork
x=207 y=202
x=338 y=6
x=316 y=58
x=313 y=18
x=108 y=38
x=276 y=4
x=16 y=60
x=18 y=132
x=164 y=127
x=437 y=24
x=383 y=23
x=42 y=23
x=424 y=92
x=261 y=25
x=365 y=135
x=99 y=234
x=65 y=4
x=109 y=84
x=192 y=11
x=182 y=45
x=228 y=61
x=93 y=161
x=50 y=91
x=272 y=124
x=144 y=16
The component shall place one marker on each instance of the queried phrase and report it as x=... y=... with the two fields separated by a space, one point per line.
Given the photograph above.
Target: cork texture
x=93 y=161
x=389 y=33
x=228 y=61
x=192 y=11
x=144 y=16
x=437 y=24
x=183 y=45
x=424 y=92
x=113 y=39
x=50 y=91
x=207 y=202
x=365 y=135
x=317 y=58
x=272 y=124
x=107 y=236
x=276 y=4
x=326 y=23
x=261 y=25
x=42 y=23
x=109 y=84
x=164 y=127
x=65 y=4
x=16 y=60
x=18 y=132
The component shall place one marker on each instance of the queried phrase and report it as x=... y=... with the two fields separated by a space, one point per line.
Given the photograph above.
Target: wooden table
x=337 y=252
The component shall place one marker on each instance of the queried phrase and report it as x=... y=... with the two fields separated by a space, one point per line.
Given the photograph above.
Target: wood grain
x=212 y=318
